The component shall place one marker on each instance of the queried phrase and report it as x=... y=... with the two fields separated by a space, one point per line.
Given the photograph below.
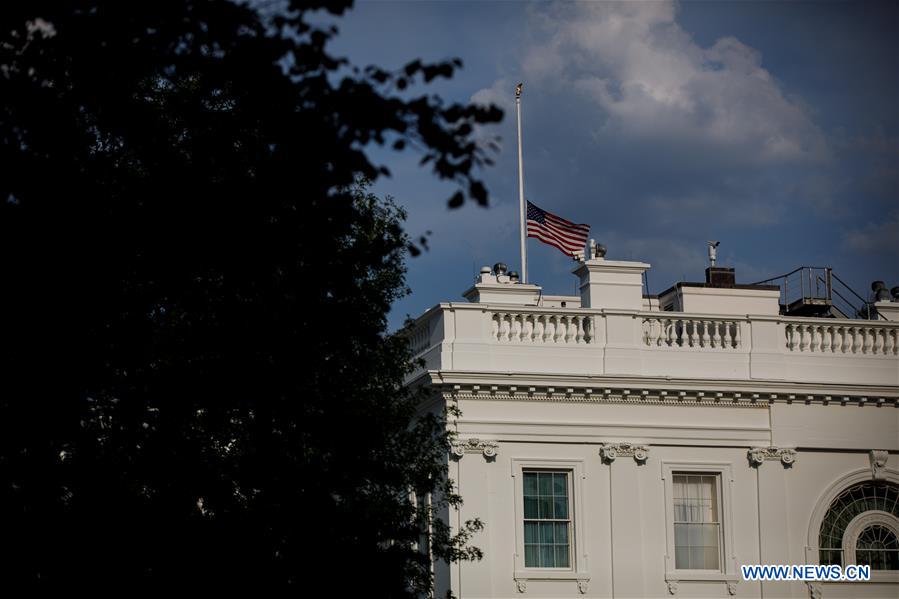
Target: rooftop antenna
x=713 y=251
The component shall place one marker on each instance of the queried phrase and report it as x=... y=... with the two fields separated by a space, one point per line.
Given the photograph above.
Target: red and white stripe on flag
x=556 y=231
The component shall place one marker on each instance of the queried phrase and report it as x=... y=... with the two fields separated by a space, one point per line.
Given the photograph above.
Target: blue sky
x=773 y=127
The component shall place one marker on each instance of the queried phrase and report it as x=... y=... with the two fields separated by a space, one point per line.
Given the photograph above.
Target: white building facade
x=616 y=445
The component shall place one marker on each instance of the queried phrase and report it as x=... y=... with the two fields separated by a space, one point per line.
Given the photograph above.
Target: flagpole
x=521 y=207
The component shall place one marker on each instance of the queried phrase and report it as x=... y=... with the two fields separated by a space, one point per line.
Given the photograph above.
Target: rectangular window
x=697 y=522
x=547 y=519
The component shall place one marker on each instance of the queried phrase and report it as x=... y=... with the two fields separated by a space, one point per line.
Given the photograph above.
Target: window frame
x=567 y=520
x=723 y=471
x=719 y=524
x=576 y=515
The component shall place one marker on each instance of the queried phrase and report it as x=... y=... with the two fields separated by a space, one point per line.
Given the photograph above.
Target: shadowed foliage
x=198 y=390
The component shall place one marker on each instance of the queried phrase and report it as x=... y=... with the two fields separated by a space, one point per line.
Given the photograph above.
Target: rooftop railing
x=481 y=337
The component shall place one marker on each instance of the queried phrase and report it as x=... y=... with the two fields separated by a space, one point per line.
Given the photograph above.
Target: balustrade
x=420 y=337
x=686 y=332
x=842 y=337
x=541 y=327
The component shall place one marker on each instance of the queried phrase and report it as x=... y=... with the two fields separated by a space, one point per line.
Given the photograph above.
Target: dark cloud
x=770 y=126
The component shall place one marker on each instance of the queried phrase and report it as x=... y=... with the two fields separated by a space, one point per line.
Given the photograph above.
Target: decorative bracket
x=879 y=459
x=759 y=455
x=672 y=587
x=731 y=588
x=582 y=586
x=814 y=591
x=460 y=447
x=522 y=585
x=610 y=451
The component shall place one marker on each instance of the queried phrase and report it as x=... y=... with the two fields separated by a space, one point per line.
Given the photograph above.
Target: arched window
x=862 y=527
x=878 y=547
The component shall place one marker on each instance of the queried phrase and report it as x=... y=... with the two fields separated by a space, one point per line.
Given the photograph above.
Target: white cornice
x=650 y=390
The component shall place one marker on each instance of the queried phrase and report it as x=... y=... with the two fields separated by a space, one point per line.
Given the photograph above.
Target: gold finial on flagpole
x=518 y=90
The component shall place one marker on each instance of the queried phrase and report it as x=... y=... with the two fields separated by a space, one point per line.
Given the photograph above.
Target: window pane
x=546 y=533
x=696 y=558
x=694 y=535
x=547 y=556
x=561 y=532
x=560 y=508
x=530 y=483
x=530 y=532
x=546 y=507
x=530 y=508
x=531 y=556
x=711 y=558
x=560 y=484
x=546 y=483
x=678 y=488
x=680 y=558
x=706 y=484
x=680 y=535
x=562 y=556
x=710 y=535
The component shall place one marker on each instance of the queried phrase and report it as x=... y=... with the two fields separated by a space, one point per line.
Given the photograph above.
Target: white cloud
x=653 y=82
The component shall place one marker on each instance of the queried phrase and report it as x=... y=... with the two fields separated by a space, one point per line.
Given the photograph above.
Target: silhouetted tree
x=198 y=390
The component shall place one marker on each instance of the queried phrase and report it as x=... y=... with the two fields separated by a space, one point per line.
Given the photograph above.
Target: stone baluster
x=675 y=332
x=580 y=329
x=716 y=336
x=826 y=337
x=858 y=340
x=694 y=334
x=865 y=340
x=547 y=328
x=728 y=338
x=879 y=340
x=706 y=338
x=804 y=338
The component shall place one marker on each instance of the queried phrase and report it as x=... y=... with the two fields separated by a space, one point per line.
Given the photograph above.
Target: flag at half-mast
x=556 y=231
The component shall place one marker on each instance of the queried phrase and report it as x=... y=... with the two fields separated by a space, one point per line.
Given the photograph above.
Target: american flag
x=556 y=231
